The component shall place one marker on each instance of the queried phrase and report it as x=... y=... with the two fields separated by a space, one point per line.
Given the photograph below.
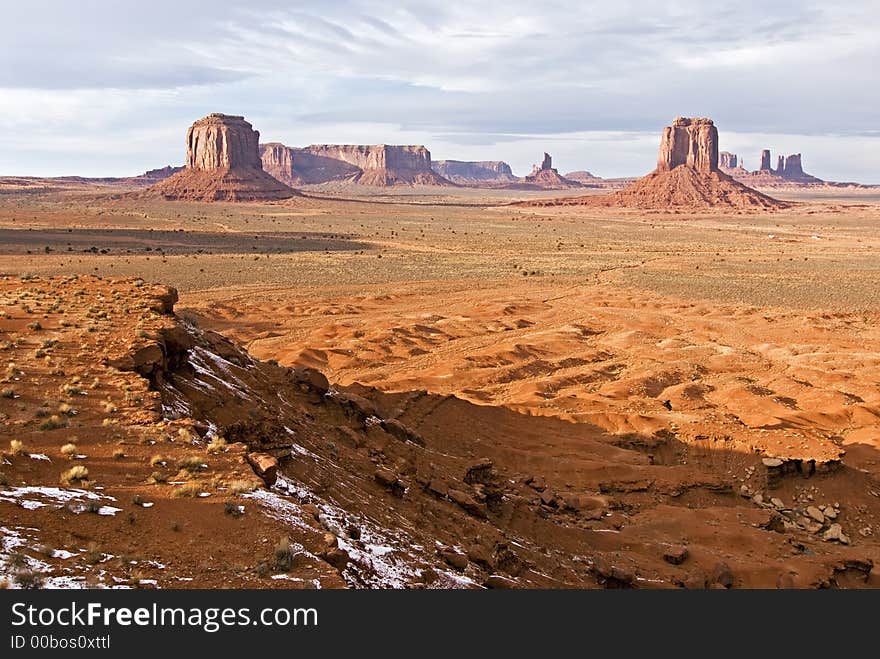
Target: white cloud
x=497 y=77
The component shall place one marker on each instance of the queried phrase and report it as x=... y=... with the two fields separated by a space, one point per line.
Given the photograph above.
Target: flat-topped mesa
x=221 y=141
x=375 y=164
x=222 y=164
x=462 y=171
x=689 y=141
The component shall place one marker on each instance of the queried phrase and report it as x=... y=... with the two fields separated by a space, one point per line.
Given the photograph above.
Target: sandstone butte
x=687 y=176
x=380 y=165
x=222 y=164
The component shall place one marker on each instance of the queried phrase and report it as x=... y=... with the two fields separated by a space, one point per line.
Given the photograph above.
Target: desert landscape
x=342 y=366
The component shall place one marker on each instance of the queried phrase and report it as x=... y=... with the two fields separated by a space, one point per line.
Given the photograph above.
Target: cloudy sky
x=108 y=87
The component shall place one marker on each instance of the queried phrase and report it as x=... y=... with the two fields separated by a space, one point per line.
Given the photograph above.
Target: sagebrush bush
x=77 y=473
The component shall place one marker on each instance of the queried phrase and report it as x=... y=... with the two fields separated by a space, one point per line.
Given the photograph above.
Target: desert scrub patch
x=76 y=474
x=191 y=489
x=192 y=463
x=242 y=487
x=118 y=454
x=284 y=555
x=233 y=509
x=54 y=422
x=157 y=478
x=34 y=326
x=72 y=390
x=217 y=445
x=158 y=460
x=16 y=447
x=8 y=392
x=69 y=450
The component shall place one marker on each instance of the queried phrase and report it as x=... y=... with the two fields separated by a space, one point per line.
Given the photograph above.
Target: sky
x=109 y=87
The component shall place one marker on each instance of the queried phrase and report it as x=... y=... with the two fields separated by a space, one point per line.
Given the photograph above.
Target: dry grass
x=192 y=463
x=69 y=450
x=75 y=474
x=158 y=461
x=16 y=447
x=242 y=487
x=191 y=489
x=217 y=445
x=54 y=422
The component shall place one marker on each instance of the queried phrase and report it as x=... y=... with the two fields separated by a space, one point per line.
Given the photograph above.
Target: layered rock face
x=222 y=164
x=728 y=160
x=691 y=142
x=464 y=172
x=687 y=176
x=378 y=165
x=221 y=141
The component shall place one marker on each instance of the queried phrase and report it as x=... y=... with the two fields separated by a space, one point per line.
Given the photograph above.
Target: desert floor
x=739 y=336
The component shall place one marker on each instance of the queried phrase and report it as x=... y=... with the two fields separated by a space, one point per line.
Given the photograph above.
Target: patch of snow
x=40 y=456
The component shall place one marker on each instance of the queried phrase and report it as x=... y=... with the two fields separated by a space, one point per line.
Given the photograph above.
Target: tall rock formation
x=792 y=167
x=728 y=160
x=474 y=172
x=222 y=164
x=765 y=161
x=687 y=176
x=691 y=142
x=547 y=177
x=378 y=165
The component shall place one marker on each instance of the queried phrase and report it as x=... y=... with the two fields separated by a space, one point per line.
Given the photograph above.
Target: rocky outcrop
x=687 y=176
x=469 y=172
x=379 y=165
x=547 y=177
x=789 y=171
x=161 y=173
x=584 y=177
x=691 y=142
x=727 y=160
x=222 y=164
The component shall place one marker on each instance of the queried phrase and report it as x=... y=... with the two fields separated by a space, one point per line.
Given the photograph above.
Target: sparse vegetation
x=233 y=509
x=217 y=445
x=16 y=447
x=76 y=474
x=54 y=422
x=8 y=392
x=118 y=454
x=158 y=461
x=69 y=450
x=284 y=555
x=192 y=463
x=191 y=489
x=241 y=487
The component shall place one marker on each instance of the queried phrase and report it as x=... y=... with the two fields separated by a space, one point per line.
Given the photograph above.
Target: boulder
x=454 y=558
x=675 y=554
x=265 y=466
